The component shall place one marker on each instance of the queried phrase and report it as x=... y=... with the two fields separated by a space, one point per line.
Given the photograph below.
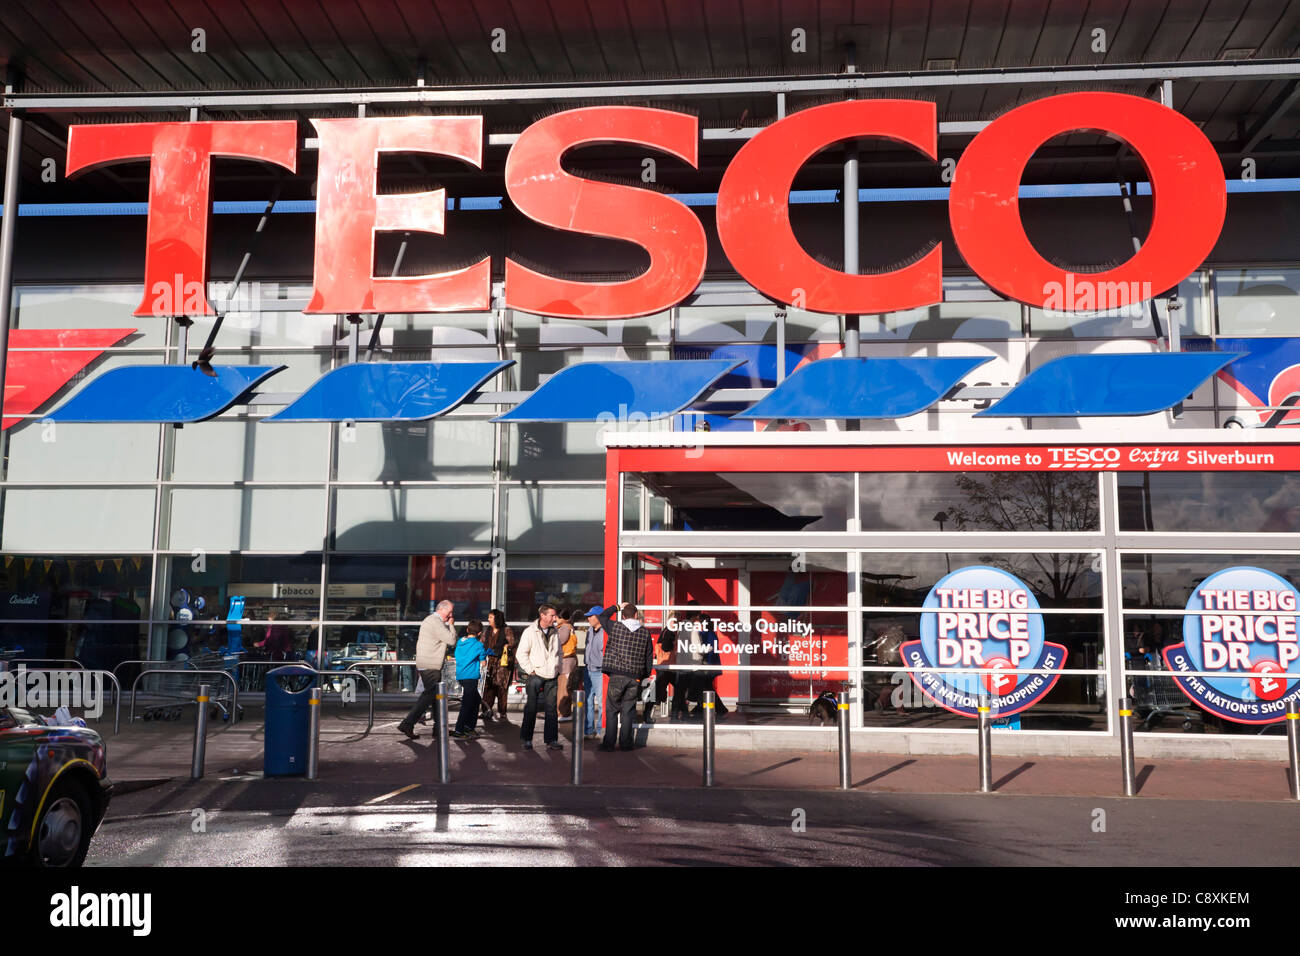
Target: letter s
x=659 y=224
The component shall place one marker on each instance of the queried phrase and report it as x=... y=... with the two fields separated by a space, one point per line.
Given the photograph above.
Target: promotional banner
x=983 y=617
x=1248 y=634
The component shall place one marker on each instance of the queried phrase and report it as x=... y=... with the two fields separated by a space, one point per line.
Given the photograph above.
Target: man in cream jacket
x=539 y=661
x=437 y=637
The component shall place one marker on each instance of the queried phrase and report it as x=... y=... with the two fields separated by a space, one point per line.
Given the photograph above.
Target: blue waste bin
x=288 y=720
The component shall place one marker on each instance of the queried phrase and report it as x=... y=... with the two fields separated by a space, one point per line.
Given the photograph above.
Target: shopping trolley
x=1157 y=696
x=177 y=686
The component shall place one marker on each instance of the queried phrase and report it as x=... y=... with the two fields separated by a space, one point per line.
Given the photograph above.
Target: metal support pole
x=200 y=732
x=13 y=166
x=710 y=733
x=1293 y=744
x=852 y=343
x=1126 y=745
x=986 y=746
x=313 y=733
x=444 y=749
x=579 y=723
x=846 y=771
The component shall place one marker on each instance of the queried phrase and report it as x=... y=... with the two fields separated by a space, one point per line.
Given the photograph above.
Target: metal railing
x=48 y=660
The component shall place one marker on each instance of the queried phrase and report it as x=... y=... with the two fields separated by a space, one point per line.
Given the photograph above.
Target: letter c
x=754 y=211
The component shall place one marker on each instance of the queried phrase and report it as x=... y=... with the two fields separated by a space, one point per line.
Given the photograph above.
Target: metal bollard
x=579 y=723
x=313 y=733
x=444 y=749
x=200 y=732
x=1293 y=744
x=1126 y=745
x=710 y=719
x=846 y=772
x=986 y=746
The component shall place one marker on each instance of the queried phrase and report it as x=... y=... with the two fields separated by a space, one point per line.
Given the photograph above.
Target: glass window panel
x=303 y=368
x=45 y=451
x=88 y=307
x=288 y=585
x=555 y=518
x=992 y=501
x=408 y=587
x=1167 y=580
x=1210 y=501
x=99 y=594
x=530 y=330
x=1056 y=579
x=246 y=450
x=407 y=519
x=578 y=588
x=1077 y=703
x=568 y=451
x=756 y=501
x=970 y=310
x=1258 y=301
x=417 y=451
x=727 y=323
x=264 y=314
x=254 y=519
x=76 y=519
x=1126 y=320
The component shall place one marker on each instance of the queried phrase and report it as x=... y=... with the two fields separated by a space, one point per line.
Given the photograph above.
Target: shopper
x=711 y=659
x=568 y=662
x=500 y=644
x=539 y=663
x=437 y=637
x=469 y=655
x=593 y=677
x=627 y=663
x=278 y=641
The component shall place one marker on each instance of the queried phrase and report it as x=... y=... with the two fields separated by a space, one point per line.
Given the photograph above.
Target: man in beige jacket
x=538 y=662
x=437 y=637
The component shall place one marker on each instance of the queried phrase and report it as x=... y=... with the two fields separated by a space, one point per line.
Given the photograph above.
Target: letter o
x=1189 y=195
x=754 y=209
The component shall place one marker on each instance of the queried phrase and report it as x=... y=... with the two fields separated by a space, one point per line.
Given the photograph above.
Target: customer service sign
x=984 y=624
x=1239 y=644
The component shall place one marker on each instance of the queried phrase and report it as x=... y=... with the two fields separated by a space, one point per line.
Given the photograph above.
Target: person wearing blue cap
x=593 y=679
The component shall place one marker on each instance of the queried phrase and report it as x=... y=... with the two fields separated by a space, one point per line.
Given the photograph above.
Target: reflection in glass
x=754 y=501
x=1263 y=501
x=1166 y=581
x=99 y=593
x=1000 y=501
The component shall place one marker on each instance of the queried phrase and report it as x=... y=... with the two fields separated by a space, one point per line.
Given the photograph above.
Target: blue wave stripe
x=619 y=391
x=864 y=388
x=388 y=391
x=164 y=394
x=256 y=207
x=1109 y=384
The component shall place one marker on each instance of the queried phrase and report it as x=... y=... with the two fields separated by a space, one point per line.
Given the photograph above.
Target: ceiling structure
x=1233 y=66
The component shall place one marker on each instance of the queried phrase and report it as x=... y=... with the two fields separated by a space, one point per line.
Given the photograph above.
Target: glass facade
x=130 y=541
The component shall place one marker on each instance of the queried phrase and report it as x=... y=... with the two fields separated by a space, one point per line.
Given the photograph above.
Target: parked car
x=54 y=790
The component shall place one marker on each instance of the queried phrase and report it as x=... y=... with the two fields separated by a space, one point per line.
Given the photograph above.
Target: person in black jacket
x=627 y=662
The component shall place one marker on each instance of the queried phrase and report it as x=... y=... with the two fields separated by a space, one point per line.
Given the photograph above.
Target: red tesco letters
x=1189 y=206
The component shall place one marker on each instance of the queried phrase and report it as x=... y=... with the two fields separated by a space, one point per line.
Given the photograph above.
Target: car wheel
x=64 y=829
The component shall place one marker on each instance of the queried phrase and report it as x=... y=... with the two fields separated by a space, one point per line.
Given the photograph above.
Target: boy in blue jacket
x=470 y=652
